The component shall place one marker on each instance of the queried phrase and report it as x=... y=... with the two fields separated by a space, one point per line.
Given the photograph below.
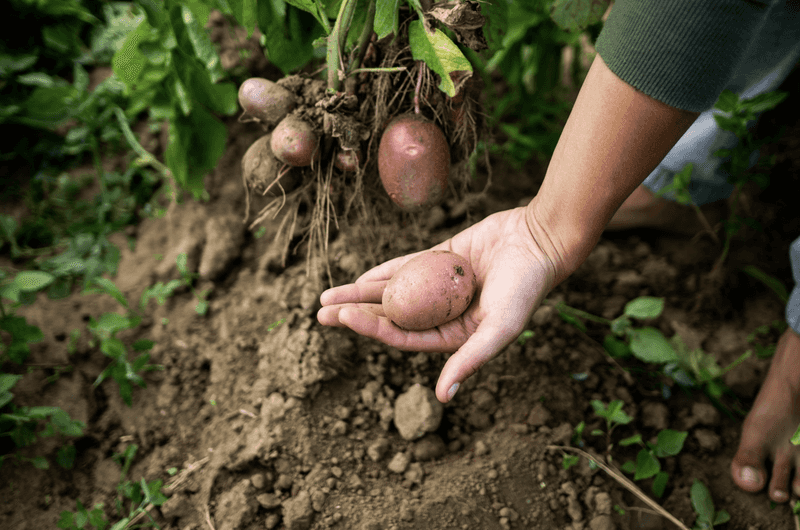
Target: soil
x=278 y=422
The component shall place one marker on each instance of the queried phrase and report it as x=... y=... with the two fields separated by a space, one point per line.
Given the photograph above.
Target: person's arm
x=614 y=137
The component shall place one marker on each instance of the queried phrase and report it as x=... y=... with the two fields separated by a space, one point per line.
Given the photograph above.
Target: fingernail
x=780 y=495
x=452 y=391
x=750 y=475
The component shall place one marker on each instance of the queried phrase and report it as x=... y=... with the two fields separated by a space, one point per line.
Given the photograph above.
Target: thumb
x=487 y=341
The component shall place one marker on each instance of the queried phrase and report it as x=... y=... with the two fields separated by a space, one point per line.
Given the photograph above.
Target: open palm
x=513 y=276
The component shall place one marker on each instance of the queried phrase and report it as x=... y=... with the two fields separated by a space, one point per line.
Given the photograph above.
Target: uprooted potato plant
x=392 y=70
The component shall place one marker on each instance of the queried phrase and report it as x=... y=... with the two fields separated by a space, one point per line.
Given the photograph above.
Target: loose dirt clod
x=416 y=412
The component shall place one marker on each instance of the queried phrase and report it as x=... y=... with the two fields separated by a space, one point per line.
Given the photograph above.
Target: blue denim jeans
x=766 y=65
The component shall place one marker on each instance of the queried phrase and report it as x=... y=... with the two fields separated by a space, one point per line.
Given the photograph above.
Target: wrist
x=565 y=242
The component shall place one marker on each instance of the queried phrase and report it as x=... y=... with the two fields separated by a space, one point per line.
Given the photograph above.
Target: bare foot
x=769 y=426
x=645 y=209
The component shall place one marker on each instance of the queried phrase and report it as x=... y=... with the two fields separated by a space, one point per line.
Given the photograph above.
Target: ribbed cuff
x=680 y=52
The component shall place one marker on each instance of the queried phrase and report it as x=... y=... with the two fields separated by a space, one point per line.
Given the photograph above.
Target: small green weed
x=688 y=368
x=131 y=502
x=647 y=464
x=104 y=330
x=25 y=425
x=703 y=504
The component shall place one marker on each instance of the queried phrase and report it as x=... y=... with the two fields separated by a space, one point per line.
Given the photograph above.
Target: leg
x=769 y=426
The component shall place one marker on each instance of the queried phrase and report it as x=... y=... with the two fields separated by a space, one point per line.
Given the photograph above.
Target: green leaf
x=110 y=288
x=721 y=517
x=644 y=307
x=577 y=15
x=288 y=35
x=631 y=440
x=31 y=281
x=40 y=79
x=113 y=347
x=143 y=345
x=727 y=101
x=764 y=102
x=660 y=483
x=309 y=6
x=770 y=281
x=7 y=382
x=628 y=467
x=48 y=107
x=109 y=324
x=196 y=143
x=701 y=502
x=16 y=63
x=66 y=425
x=616 y=347
x=152 y=492
x=386 y=17
x=246 y=13
x=196 y=40
x=669 y=442
x=649 y=345
x=647 y=465
x=439 y=53
x=796 y=436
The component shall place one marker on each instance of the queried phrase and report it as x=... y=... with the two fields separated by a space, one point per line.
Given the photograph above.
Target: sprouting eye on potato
x=429 y=290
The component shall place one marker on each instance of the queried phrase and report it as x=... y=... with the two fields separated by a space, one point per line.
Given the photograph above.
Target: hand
x=514 y=275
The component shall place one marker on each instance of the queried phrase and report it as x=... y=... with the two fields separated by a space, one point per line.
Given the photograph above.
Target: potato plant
x=398 y=100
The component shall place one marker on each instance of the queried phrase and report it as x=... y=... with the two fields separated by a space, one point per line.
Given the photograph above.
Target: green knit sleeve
x=680 y=52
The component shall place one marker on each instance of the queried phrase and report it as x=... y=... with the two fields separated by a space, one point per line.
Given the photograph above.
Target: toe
x=747 y=468
x=781 y=470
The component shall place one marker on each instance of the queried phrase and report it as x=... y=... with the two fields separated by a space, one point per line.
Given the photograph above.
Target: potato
x=260 y=168
x=414 y=162
x=266 y=101
x=294 y=142
x=429 y=290
x=348 y=160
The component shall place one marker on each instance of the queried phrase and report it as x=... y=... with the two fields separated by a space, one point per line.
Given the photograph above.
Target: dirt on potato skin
x=287 y=424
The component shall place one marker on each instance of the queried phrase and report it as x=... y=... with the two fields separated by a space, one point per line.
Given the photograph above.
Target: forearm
x=614 y=137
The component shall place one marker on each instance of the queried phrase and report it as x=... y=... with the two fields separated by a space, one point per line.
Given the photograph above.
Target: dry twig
x=626 y=483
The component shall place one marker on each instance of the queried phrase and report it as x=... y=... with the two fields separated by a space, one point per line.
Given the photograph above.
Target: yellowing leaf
x=439 y=53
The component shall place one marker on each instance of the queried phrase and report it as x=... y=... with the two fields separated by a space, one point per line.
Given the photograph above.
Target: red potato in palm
x=266 y=101
x=430 y=290
x=294 y=142
x=414 y=162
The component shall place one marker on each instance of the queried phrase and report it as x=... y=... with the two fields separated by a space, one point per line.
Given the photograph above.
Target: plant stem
x=335 y=42
x=561 y=307
x=728 y=233
x=377 y=70
x=323 y=17
x=364 y=38
x=137 y=147
x=705 y=223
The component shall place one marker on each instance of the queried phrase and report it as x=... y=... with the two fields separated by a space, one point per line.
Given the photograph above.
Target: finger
x=329 y=315
x=378 y=327
x=365 y=293
x=487 y=341
x=386 y=270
